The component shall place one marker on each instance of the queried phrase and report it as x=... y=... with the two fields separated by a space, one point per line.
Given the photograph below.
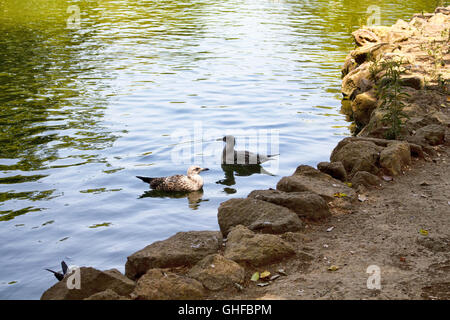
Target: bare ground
x=403 y=228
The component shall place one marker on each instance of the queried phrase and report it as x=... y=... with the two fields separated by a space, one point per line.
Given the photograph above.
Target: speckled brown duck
x=178 y=183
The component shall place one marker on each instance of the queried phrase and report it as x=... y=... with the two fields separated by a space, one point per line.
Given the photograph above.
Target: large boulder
x=307 y=178
x=245 y=246
x=432 y=134
x=366 y=179
x=92 y=281
x=257 y=215
x=334 y=169
x=395 y=156
x=158 y=284
x=357 y=155
x=184 y=248
x=305 y=204
x=216 y=272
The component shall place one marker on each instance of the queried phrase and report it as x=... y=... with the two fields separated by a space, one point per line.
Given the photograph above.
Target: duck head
x=193 y=170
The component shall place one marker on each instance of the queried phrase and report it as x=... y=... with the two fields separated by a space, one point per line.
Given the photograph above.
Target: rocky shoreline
x=315 y=234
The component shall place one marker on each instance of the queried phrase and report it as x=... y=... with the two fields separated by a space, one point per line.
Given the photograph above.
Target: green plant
x=390 y=92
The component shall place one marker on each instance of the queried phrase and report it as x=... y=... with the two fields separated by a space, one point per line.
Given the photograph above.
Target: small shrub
x=390 y=93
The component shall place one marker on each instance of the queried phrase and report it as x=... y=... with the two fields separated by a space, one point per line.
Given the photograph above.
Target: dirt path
x=384 y=230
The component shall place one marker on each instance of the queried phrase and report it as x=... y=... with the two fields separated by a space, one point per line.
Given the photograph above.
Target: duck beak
x=219 y=139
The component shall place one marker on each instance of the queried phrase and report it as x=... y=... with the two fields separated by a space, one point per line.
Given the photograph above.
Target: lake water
x=145 y=88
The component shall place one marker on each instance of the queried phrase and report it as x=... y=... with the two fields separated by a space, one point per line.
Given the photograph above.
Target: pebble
x=282 y=272
x=274 y=277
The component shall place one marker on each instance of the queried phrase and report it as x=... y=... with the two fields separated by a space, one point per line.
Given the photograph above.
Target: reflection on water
x=194 y=198
x=83 y=111
x=245 y=170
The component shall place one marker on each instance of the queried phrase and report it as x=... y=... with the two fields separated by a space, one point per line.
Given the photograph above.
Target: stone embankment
x=317 y=232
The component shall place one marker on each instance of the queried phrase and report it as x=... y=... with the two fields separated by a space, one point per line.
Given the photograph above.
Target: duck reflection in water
x=194 y=197
x=242 y=170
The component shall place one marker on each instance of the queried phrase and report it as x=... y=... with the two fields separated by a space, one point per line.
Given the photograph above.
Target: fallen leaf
x=333 y=268
x=423 y=232
x=264 y=274
x=340 y=195
x=402 y=259
x=330 y=229
x=349 y=184
x=255 y=277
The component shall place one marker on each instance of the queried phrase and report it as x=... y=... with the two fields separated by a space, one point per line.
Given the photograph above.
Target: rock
x=413 y=81
x=157 y=284
x=439 y=19
x=305 y=204
x=362 y=54
x=257 y=215
x=307 y=178
x=395 y=156
x=362 y=107
x=444 y=10
x=355 y=80
x=381 y=31
x=366 y=179
x=245 y=246
x=441 y=119
x=184 y=248
x=349 y=65
x=432 y=134
x=108 y=294
x=357 y=155
x=334 y=169
x=216 y=272
x=364 y=37
x=92 y=281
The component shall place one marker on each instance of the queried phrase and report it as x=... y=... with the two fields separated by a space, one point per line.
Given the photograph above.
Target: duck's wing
x=155 y=183
x=177 y=182
x=246 y=157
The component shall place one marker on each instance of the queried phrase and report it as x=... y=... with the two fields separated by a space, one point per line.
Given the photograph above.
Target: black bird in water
x=59 y=275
